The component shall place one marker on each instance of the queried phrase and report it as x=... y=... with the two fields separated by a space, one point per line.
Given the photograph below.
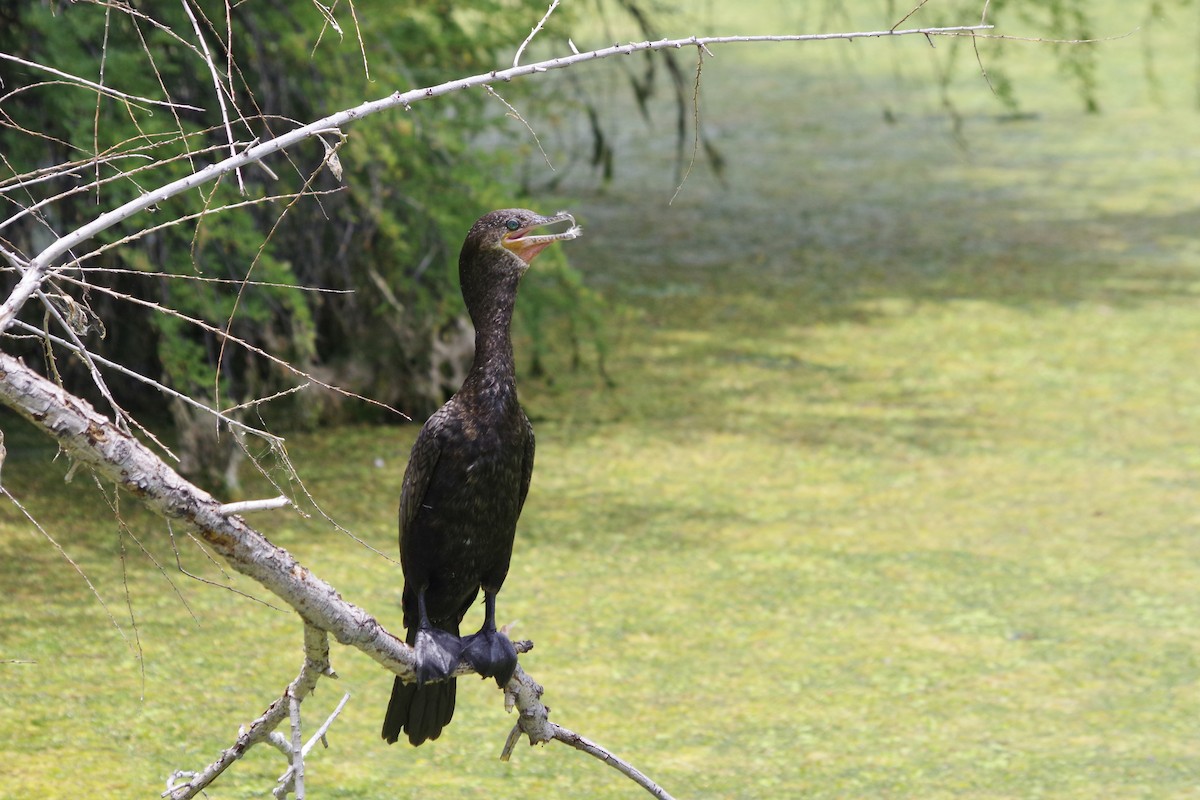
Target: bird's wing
x=526 y=463
x=421 y=464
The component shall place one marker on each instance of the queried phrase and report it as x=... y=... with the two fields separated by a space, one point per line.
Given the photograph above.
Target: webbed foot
x=438 y=653
x=491 y=654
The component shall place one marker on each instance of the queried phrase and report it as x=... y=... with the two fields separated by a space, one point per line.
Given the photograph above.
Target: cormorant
x=465 y=485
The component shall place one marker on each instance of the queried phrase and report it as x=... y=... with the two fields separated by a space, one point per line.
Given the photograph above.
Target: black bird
x=465 y=485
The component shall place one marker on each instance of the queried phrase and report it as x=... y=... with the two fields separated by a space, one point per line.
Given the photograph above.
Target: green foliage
x=413 y=181
x=1077 y=28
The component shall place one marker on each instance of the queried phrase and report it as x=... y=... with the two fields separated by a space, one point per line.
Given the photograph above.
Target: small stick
x=220 y=90
x=533 y=33
x=250 y=506
x=517 y=114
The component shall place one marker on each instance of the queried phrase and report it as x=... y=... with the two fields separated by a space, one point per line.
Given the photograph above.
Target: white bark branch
x=536 y=28
x=250 y=506
x=217 y=86
x=297 y=755
x=117 y=456
x=290 y=780
x=44 y=262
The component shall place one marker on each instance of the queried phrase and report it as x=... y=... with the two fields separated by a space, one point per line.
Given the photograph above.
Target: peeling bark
x=93 y=440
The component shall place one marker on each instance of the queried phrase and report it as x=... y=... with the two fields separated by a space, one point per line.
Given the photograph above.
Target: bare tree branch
x=536 y=29
x=316 y=664
x=44 y=262
x=217 y=86
x=291 y=781
x=117 y=456
x=250 y=506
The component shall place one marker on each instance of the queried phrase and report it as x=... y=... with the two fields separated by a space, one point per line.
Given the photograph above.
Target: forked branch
x=182 y=784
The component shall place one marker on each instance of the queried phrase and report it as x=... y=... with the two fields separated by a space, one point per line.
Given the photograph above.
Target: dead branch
x=217 y=86
x=250 y=506
x=585 y=745
x=92 y=440
x=289 y=781
x=536 y=29
x=316 y=665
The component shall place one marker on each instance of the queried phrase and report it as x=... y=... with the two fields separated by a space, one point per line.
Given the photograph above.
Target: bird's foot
x=438 y=653
x=491 y=654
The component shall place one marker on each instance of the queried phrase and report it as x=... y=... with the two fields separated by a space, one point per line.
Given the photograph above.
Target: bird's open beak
x=526 y=246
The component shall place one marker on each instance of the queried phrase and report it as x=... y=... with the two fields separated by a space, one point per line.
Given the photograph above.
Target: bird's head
x=497 y=252
x=509 y=232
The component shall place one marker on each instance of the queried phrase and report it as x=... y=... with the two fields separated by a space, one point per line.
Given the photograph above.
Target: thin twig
x=96 y=113
x=114 y=504
x=982 y=69
x=199 y=544
x=74 y=564
x=250 y=506
x=13 y=259
x=96 y=86
x=258 y=401
x=585 y=745
x=517 y=115
x=918 y=7
x=237 y=300
x=534 y=32
x=139 y=654
x=362 y=47
x=695 y=125
x=119 y=414
x=286 y=780
x=207 y=279
x=220 y=89
x=1039 y=40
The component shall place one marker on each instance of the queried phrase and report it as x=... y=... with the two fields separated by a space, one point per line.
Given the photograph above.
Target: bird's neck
x=493 y=365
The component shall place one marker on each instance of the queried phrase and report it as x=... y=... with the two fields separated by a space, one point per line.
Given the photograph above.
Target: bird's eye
x=512 y=224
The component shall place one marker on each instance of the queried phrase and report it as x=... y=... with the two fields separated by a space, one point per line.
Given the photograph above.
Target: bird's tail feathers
x=420 y=711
